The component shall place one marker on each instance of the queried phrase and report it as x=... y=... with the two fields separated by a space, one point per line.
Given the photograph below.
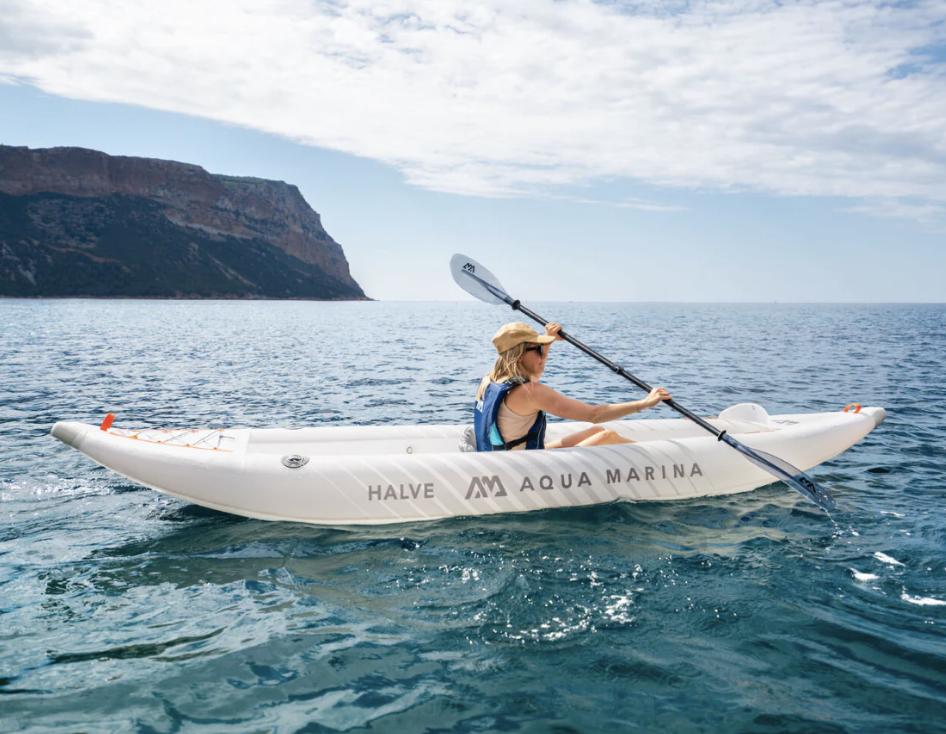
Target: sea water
x=122 y=610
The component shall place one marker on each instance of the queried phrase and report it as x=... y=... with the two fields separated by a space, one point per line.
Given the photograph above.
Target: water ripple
x=124 y=610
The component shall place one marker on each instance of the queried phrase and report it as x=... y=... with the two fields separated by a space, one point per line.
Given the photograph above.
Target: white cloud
x=504 y=97
x=640 y=204
x=930 y=216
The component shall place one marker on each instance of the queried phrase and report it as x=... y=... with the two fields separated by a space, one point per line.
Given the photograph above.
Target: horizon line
x=457 y=302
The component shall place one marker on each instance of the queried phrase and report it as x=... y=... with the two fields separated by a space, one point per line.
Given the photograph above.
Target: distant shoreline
x=467 y=301
x=179 y=298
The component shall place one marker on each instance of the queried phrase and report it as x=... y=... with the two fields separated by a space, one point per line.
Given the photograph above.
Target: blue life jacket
x=488 y=437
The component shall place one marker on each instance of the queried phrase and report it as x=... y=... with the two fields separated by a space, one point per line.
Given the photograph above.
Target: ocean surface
x=122 y=610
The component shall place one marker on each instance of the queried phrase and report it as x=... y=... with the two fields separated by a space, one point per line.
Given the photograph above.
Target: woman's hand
x=552 y=329
x=657 y=395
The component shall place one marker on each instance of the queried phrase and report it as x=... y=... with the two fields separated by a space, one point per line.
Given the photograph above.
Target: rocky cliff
x=80 y=222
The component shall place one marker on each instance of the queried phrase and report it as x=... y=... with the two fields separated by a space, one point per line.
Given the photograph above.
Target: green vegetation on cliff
x=119 y=245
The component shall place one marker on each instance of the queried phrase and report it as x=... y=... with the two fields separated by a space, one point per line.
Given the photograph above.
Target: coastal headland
x=80 y=223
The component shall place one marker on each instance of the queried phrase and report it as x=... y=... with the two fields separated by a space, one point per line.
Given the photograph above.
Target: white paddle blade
x=478 y=281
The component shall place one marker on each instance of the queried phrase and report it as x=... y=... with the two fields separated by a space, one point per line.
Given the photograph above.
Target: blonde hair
x=507 y=367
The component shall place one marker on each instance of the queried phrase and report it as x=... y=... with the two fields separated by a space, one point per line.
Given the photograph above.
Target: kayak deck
x=335 y=441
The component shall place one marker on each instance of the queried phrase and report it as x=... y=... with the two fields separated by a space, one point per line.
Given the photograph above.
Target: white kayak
x=391 y=474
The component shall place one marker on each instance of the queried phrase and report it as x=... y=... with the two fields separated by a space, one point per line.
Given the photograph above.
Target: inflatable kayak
x=392 y=474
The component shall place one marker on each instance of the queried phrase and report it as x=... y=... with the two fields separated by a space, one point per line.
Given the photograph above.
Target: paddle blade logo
x=476 y=280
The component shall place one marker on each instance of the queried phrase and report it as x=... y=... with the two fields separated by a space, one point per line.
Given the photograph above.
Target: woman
x=511 y=403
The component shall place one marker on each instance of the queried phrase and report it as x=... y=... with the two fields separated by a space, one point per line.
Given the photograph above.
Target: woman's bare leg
x=573 y=439
x=594 y=436
x=606 y=437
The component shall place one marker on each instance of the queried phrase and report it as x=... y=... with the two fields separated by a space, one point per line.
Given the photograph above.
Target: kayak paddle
x=479 y=282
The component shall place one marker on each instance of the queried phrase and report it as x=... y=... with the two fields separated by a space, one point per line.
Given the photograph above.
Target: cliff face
x=62 y=200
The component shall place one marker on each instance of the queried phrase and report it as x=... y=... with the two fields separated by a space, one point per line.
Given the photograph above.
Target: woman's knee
x=605 y=436
x=593 y=435
x=576 y=439
x=599 y=436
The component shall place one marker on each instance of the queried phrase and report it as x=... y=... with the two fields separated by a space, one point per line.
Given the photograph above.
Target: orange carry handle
x=107 y=423
x=856 y=406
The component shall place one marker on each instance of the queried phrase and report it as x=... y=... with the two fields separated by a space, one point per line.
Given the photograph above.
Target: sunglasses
x=536 y=348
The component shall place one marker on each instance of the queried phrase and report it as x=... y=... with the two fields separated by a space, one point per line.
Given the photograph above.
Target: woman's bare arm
x=536 y=396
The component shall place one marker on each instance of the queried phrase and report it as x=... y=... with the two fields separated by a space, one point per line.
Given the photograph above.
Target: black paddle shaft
x=618 y=370
x=792 y=476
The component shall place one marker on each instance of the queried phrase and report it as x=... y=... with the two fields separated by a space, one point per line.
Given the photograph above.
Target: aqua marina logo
x=484 y=486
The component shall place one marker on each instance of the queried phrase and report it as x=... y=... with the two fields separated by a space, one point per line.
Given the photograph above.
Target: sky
x=582 y=151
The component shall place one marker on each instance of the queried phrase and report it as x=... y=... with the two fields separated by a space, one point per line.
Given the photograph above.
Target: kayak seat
x=468 y=440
